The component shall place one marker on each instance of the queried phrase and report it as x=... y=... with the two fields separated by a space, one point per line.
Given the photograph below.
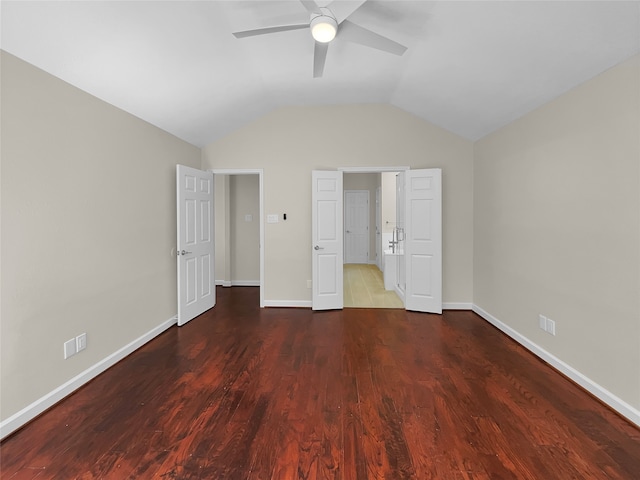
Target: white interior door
x=423 y=241
x=196 y=285
x=356 y=226
x=326 y=238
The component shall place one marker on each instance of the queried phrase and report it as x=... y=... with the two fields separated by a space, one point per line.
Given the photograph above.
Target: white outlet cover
x=542 y=322
x=272 y=218
x=69 y=348
x=248 y=218
x=551 y=326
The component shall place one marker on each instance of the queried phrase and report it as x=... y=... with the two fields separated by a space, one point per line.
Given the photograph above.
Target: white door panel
x=421 y=275
x=423 y=242
x=326 y=237
x=196 y=289
x=327 y=274
x=326 y=220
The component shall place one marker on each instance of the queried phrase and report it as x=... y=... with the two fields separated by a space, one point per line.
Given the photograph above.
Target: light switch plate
x=81 y=342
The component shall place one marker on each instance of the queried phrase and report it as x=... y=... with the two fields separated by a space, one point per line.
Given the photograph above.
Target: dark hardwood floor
x=244 y=393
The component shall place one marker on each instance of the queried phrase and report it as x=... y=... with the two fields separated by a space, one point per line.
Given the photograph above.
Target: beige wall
x=88 y=217
x=290 y=142
x=557 y=228
x=368 y=182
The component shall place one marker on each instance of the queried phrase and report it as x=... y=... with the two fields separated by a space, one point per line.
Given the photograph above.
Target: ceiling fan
x=327 y=23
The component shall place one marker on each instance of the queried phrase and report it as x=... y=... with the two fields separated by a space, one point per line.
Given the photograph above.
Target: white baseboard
x=288 y=303
x=238 y=283
x=457 y=306
x=245 y=283
x=619 y=405
x=28 y=413
x=308 y=304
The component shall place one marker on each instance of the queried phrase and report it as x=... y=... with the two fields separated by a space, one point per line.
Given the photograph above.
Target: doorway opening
x=370 y=229
x=239 y=228
x=421 y=201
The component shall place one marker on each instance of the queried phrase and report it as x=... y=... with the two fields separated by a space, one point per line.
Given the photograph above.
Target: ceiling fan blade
x=355 y=33
x=264 y=31
x=319 y=57
x=311 y=6
x=343 y=8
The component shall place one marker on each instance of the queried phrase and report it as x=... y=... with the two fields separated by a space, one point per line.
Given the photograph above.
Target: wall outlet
x=248 y=218
x=551 y=326
x=542 y=322
x=308 y=283
x=69 y=348
x=81 y=342
x=272 y=218
x=547 y=324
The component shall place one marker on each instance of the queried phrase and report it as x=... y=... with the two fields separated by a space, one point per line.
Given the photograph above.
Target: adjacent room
x=489 y=328
x=371 y=252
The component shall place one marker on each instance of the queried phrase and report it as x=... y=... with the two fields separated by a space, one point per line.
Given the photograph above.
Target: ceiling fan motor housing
x=324 y=26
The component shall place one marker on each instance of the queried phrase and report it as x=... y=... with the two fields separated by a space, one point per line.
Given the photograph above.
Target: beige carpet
x=364 y=287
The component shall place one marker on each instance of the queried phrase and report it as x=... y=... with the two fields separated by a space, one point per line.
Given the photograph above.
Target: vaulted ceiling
x=471 y=67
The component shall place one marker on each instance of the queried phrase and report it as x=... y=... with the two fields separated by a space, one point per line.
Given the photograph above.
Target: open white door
x=423 y=242
x=326 y=238
x=196 y=287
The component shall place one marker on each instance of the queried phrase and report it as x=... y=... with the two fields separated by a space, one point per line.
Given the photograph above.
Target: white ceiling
x=471 y=67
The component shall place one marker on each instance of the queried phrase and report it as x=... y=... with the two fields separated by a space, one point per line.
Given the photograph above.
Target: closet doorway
x=239 y=229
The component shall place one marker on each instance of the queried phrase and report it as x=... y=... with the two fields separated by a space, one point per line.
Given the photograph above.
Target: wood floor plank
x=364 y=288
x=249 y=393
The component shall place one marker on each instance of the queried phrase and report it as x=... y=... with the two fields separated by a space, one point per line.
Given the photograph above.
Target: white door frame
x=260 y=173
x=372 y=169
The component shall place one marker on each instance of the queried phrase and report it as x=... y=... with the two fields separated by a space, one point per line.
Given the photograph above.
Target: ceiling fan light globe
x=323 y=28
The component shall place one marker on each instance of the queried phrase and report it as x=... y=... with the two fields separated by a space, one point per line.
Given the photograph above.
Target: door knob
x=184 y=252
x=318 y=248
